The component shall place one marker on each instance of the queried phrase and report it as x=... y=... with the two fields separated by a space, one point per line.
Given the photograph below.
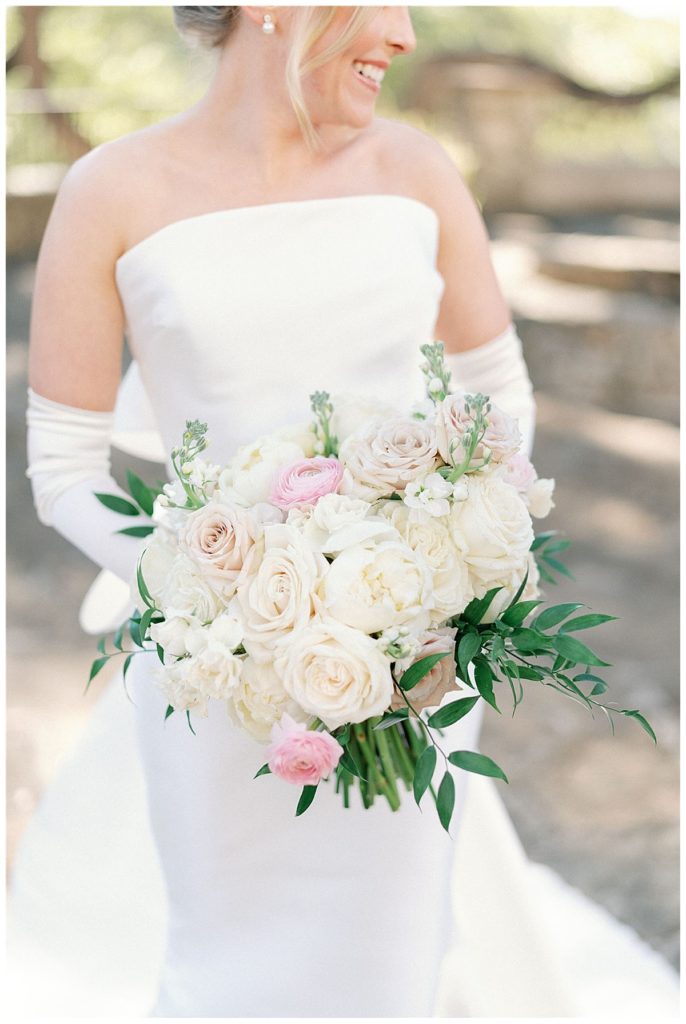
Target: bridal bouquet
x=352 y=587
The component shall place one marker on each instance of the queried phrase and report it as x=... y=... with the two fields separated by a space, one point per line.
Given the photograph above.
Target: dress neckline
x=287 y=203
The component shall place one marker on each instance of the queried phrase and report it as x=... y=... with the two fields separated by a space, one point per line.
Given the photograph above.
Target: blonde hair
x=213 y=25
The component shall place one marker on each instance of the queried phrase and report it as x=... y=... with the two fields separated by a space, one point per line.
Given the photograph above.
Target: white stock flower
x=494 y=526
x=385 y=455
x=539 y=497
x=430 y=494
x=335 y=672
x=278 y=597
x=260 y=700
x=372 y=588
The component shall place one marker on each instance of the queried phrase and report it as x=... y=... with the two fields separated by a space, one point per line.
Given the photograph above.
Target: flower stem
x=401 y=755
x=389 y=770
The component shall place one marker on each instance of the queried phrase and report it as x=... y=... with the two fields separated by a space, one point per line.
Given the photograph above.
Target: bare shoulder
x=422 y=165
x=108 y=186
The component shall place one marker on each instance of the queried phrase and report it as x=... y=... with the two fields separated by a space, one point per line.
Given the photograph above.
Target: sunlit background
x=565 y=123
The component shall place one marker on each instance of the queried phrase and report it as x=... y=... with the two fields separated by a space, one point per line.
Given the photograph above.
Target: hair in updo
x=209 y=25
x=212 y=26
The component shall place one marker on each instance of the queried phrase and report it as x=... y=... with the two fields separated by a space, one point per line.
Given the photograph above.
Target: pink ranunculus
x=300 y=755
x=304 y=483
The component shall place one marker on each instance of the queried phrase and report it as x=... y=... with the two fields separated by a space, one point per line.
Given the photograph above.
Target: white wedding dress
x=157 y=878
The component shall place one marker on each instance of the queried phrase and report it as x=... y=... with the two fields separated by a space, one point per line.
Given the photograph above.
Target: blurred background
x=565 y=123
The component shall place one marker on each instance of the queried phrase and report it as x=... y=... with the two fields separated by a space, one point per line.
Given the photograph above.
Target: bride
x=275 y=238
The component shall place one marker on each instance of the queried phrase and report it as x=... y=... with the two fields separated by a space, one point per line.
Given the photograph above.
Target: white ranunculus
x=539 y=497
x=278 y=597
x=433 y=539
x=494 y=527
x=372 y=588
x=260 y=700
x=335 y=672
x=248 y=477
x=187 y=593
x=385 y=455
x=338 y=521
x=351 y=412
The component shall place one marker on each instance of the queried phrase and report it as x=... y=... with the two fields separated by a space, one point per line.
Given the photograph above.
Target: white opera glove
x=497 y=368
x=68 y=459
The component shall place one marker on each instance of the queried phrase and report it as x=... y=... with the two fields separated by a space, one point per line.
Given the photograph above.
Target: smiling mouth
x=370 y=74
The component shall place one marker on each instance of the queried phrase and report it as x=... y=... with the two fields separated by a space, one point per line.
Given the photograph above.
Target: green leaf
x=145 y=621
x=264 y=770
x=125 y=667
x=515 y=615
x=451 y=713
x=160 y=653
x=529 y=640
x=483 y=675
x=395 y=716
x=136 y=531
x=134 y=630
x=423 y=772
x=97 y=665
x=190 y=724
x=541 y=538
x=468 y=646
x=117 y=504
x=170 y=711
x=140 y=492
x=520 y=591
x=545 y=575
x=142 y=586
x=101 y=644
x=572 y=649
x=554 y=563
x=445 y=803
x=479 y=763
x=526 y=672
x=416 y=672
x=350 y=764
x=478 y=606
x=306 y=798
x=556 y=613
x=557 y=545
x=119 y=636
x=585 y=622
x=643 y=722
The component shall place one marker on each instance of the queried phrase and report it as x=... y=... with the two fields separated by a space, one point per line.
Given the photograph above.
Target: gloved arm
x=497 y=368
x=69 y=459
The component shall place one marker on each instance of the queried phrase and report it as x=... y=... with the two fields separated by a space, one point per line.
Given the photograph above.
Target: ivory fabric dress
x=192 y=889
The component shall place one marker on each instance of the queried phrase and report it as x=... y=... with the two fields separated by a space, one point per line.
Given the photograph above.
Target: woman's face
x=343 y=90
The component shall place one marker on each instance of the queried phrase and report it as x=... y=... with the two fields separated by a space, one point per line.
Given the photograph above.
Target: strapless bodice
x=234 y=317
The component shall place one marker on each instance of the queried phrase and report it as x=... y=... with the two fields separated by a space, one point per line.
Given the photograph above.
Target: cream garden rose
x=494 y=526
x=279 y=596
x=221 y=539
x=339 y=521
x=335 y=672
x=385 y=455
x=430 y=691
x=377 y=586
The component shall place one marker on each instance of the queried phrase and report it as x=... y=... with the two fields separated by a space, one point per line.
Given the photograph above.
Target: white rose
x=260 y=700
x=494 y=527
x=187 y=593
x=385 y=455
x=156 y=561
x=278 y=597
x=433 y=539
x=539 y=497
x=248 y=477
x=335 y=672
x=372 y=588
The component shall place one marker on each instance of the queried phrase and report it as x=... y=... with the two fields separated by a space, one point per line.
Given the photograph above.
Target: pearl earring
x=268 y=25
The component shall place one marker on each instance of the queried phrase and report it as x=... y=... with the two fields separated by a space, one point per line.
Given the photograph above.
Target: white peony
x=338 y=521
x=372 y=588
x=335 y=672
x=278 y=597
x=260 y=700
x=248 y=477
x=433 y=539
